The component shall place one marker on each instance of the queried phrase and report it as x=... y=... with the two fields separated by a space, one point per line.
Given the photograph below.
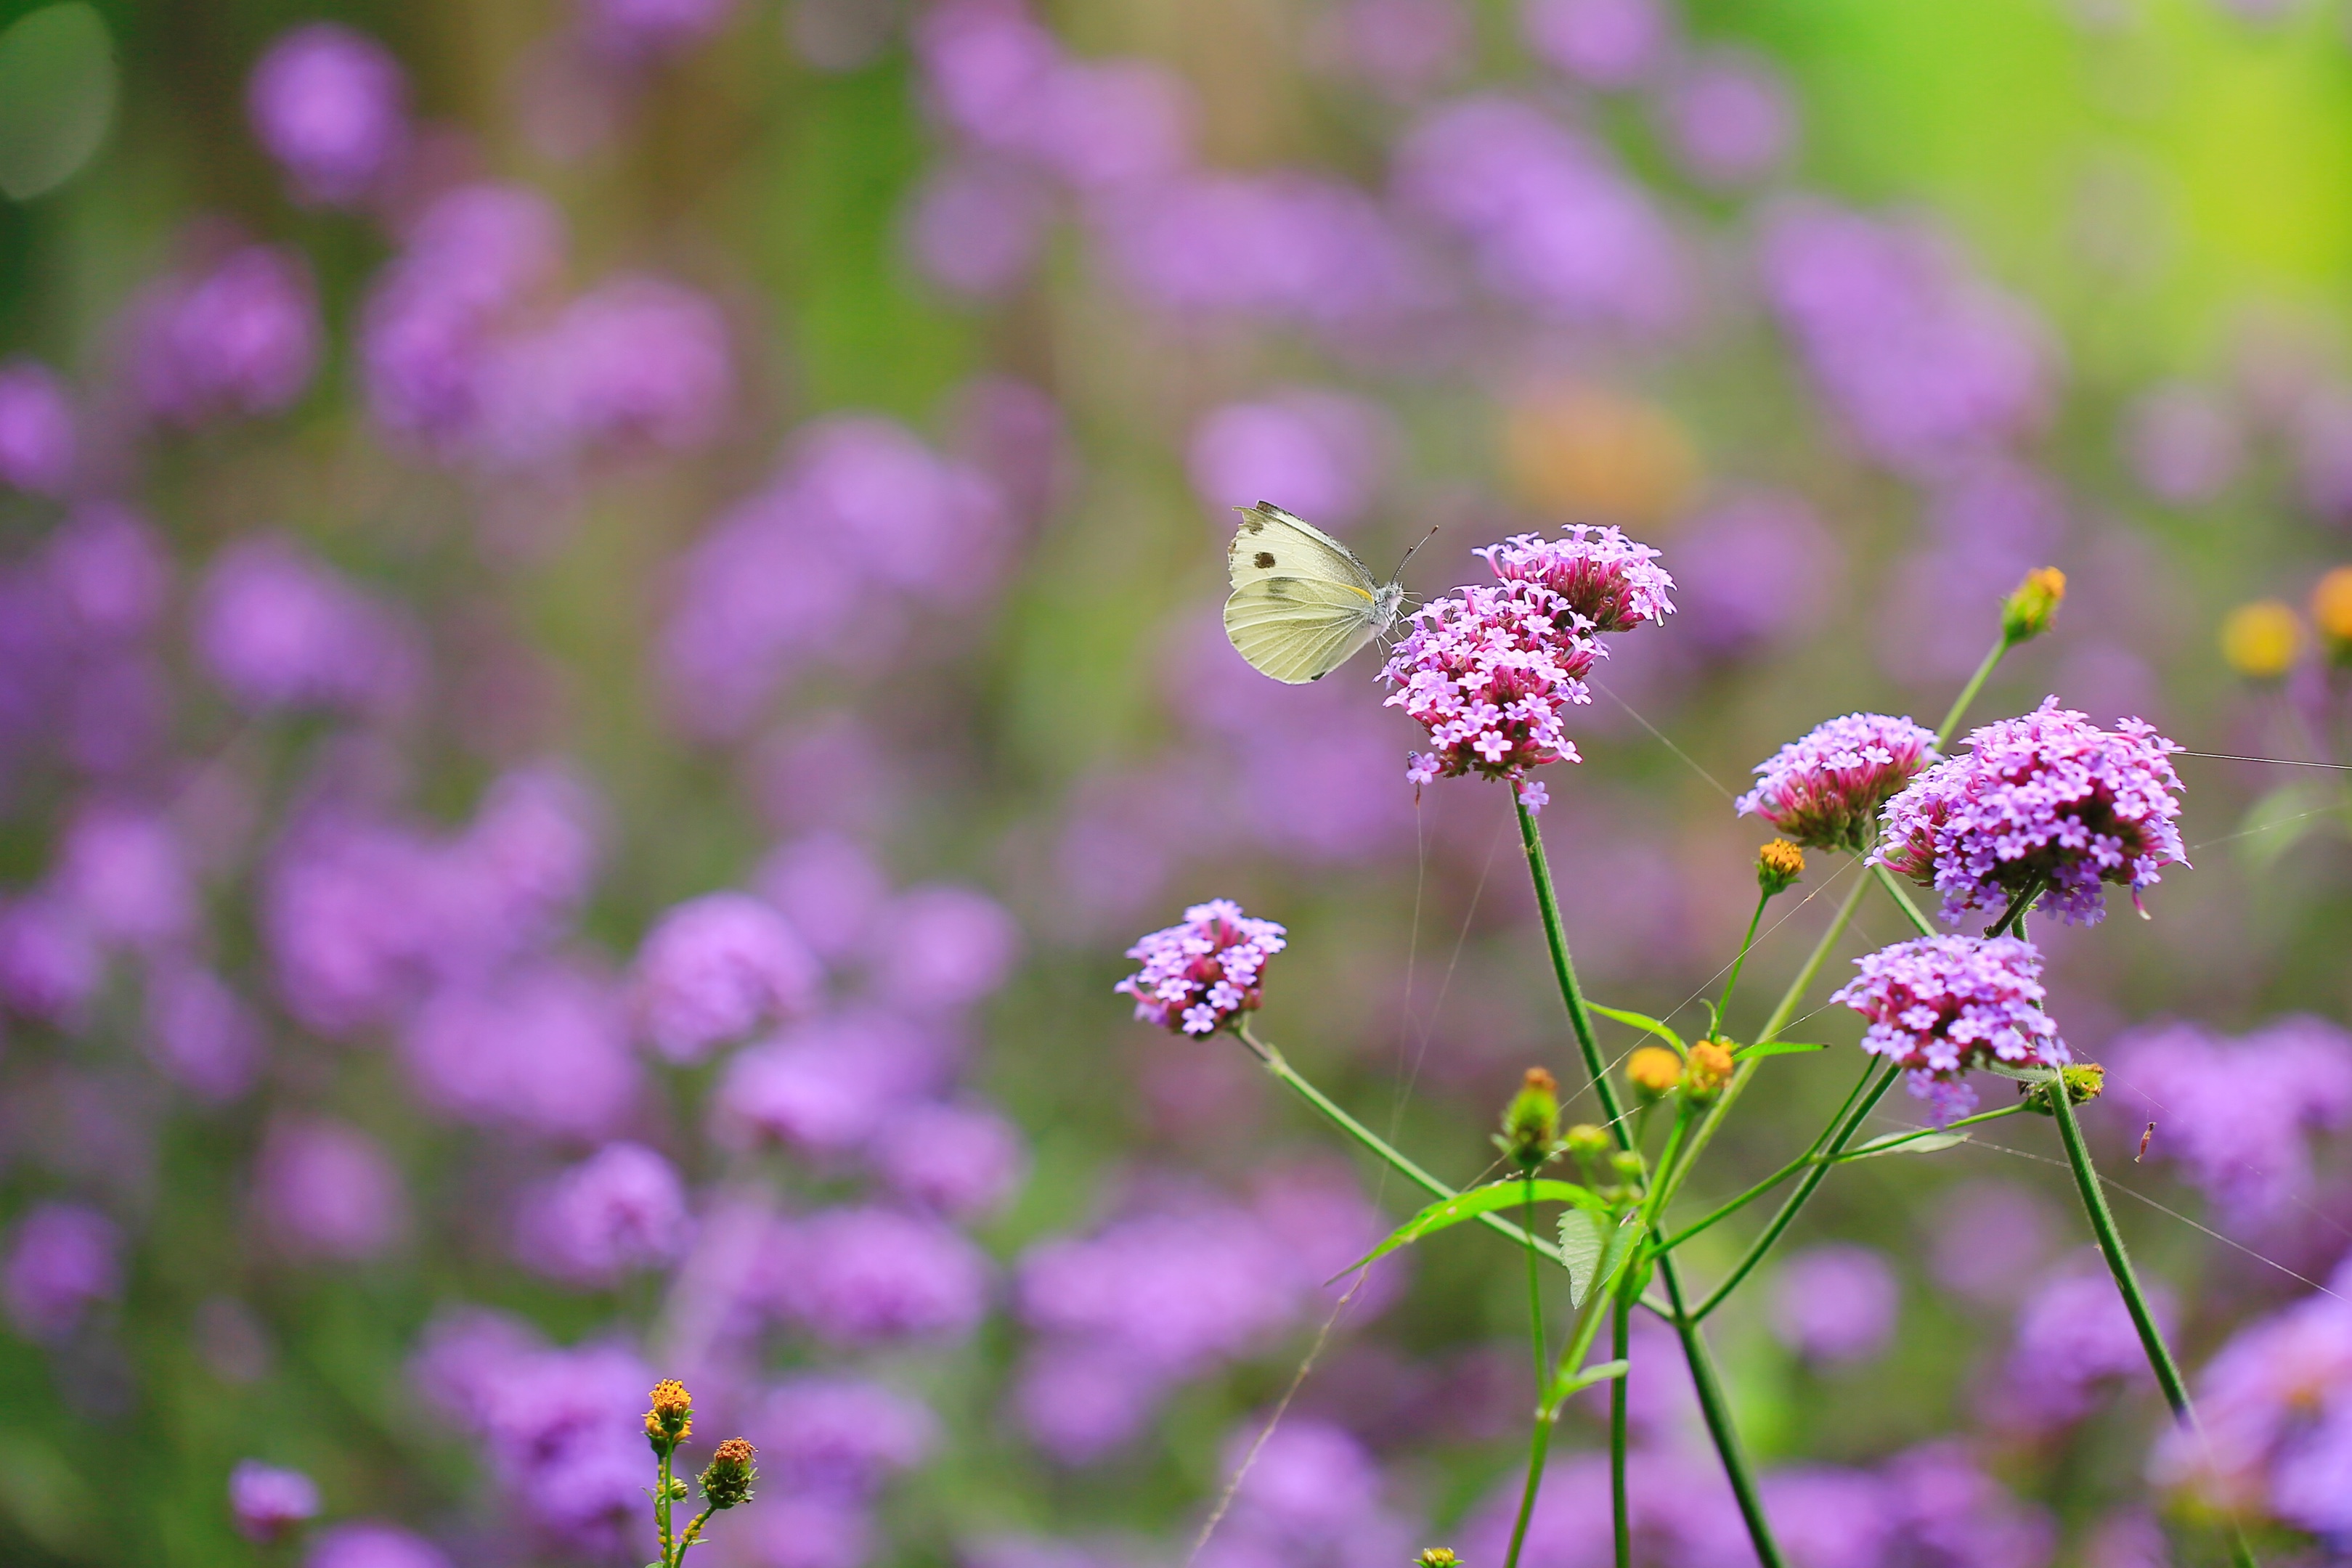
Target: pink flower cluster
x=1824 y=790
x=1199 y=977
x=2048 y=797
x=1487 y=671
x=1607 y=581
x=1940 y=1005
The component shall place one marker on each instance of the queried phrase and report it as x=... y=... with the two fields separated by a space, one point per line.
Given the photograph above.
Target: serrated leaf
x=1907 y=1143
x=1774 y=1048
x=1448 y=1212
x=1579 y=1382
x=1594 y=1249
x=1640 y=1021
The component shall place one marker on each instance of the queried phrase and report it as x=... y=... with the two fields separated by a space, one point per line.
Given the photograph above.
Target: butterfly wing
x=1300 y=629
x=1270 y=542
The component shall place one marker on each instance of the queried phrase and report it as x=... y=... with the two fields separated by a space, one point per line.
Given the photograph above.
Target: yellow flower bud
x=1654 y=1071
x=1777 y=866
x=2027 y=612
x=2260 y=641
x=1708 y=1070
x=2331 y=613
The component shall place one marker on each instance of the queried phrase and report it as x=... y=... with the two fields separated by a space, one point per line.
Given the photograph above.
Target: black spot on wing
x=1265 y=560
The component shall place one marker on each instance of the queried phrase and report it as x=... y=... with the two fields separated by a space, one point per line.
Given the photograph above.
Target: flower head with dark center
x=2046 y=799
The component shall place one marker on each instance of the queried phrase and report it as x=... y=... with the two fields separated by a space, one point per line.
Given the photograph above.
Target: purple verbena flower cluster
x=268 y=1502
x=1606 y=581
x=37 y=428
x=1198 y=977
x=1488 y=674
x=2074 y=1340
x=1824 y=790
x=1938 y=1006
x=2046 y=799
x=330 y=103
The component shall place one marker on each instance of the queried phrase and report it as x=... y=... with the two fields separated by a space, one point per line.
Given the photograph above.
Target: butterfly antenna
x=1409 y=554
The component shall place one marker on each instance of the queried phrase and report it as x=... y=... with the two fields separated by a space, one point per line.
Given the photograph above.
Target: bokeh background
x=608 y=626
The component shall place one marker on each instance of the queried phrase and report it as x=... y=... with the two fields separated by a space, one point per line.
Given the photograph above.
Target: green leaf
x=1594 y=1248
x=1448 y=1212
x=1774 y=1048
x=1907 y=1143
x=1641 y=1021
x=1603 y=1372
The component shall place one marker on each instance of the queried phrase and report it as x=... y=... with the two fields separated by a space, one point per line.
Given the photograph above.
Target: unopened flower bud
x=2084 y=1082
x=1627 y=1163
x=727 y=1481
x=1777 y=866
x=2331 y=613
x=2027 y=613
x=671 y=1420
x=1708 y=1070
x=1654 y=1071
x=1531 y=1122
x=1586 y=1142
x=1437 y=1557
x=677 y=1488
x=2260 y=641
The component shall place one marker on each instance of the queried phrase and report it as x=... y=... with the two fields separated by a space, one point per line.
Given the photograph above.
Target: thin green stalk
x=661 y=1505
x=1572 y=1356
x=1274 y=1063
x=1796 y=1200
x=2119 y=1264
x=1564 y=968
x=1716 y=1410
x=1731 y=982
x=1539 y=1450
x=1534 y=1292
x=1620 y=1519
x=1902 y=897
x=1783 y=1174
x=1881 y=1148
x=1944 y=731
x=2015 y=915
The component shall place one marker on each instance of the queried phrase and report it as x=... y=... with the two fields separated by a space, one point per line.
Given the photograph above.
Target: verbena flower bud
x=2331 y=613
x=2260 y=641
x=2027 y=612
x=2084 y=1082
x=1586 y=1142
x=1531 y=1122
x=1653 y=1070
x=727 y=1481
x=1779 y=865
x=671 y=1420
x=1627 y=1164
x=1708 y=1070
x=1437 y=1557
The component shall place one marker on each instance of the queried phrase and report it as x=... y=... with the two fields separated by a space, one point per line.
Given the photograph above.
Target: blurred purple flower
x=1553 y=223
x=109 y=571
x=808 y=1530
x=1316 y=454
x=2322 y=436
x=1757 y=568
x=874 y=1276
x=1729 y=118
x=977 y=225
x=2046 y=797
x=1013 y=432
x=622 y=1208
x=124 y=868
x=1948 y=1513
x=2182 y=444
x=941 y=946
x=50 y=962
x=240 y=339
x=2250 y=1152
x=1403 y=49
x=325 y=1189
x=543 y=1048
x=331 y=104
x=1680 y=1512
x=1311 y=1498
x=987 y=67
x=2274 y=1420
x=1081 y=1399
x=828 y=1435
x=1600 y=43
x=1836 y=1303
x=267 y=1502
x=714 y=969
x=1824 y=789
x=958 y=1159
x=1986 y=1239
x=828 y=888
x=649 y=30
x=63 y=1258
x=636 y=364
x=1939 y=1006
x=825 y=1087
x=1925 y=363
x=1829 y=1518
x=279 y=629
x=368 y=1545
x=2075 y=1338
x=200 y=1033
x=37 y=428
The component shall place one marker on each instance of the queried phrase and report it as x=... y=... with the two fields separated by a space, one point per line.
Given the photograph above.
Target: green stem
x=1572 y=1356
x=1902 y=897
x=1796 y=1200
x=1564 y=969
x=692 y=1533
x=1535 y=1293
x=1731 y=983
x=2018 y=906
x=1881 y=1148
x=1944 y=731
x=2119 y=1264
x=1376 y=1144
x=661 y=1505
x=1620 y=1519
x=1538 y=1449
x=1717 y=1411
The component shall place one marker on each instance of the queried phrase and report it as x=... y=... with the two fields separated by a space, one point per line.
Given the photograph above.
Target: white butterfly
x=1302 y=603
